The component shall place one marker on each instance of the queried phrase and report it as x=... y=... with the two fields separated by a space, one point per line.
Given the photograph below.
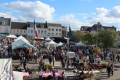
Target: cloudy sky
x=77 y=13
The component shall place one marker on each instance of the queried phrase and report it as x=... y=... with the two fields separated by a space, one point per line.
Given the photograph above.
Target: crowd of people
x=83 y=54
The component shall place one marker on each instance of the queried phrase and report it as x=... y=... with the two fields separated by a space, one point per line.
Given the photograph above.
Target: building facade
x=94 y=28
x=5 y=26
x=19 y=28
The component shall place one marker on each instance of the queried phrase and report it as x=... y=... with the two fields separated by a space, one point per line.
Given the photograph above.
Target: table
x=26 y=74
x=94 y=71
x=50 y=74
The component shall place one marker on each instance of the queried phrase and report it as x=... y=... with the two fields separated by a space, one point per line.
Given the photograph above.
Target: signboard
x=70 y=54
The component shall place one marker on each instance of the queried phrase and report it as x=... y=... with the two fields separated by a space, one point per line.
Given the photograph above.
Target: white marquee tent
x=22 y=43
x=21 y=37
x=59 y=44
x=48 y=39
x=51 y=42
x=80 y=44
x=11 y=36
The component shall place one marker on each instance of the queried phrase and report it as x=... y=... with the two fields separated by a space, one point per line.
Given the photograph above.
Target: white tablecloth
x=94 y=71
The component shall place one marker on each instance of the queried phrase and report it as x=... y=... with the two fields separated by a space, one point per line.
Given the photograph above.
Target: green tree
x=90 y=38
x=107 y=38
x=78 y=36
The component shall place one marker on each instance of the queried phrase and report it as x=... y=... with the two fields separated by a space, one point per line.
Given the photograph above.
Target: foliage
x=96 y=50
x=90 y=38
x=107 y=38
x=78 y=36
x=15 y=67
x=105 y=64
x=48 y=65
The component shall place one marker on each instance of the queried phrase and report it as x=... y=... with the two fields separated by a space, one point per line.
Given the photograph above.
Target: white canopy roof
x=59 y=44
x=11 y=36
x=48 y=39
x=51 y=42
x=79 y=44
x=21 y=37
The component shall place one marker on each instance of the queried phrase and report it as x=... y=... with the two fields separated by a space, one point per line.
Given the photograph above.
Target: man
x=50 y=59
x=108 y=70
x=24 y=63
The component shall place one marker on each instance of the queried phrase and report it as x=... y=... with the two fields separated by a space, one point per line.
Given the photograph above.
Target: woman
x=63 y=76
x=54 y=76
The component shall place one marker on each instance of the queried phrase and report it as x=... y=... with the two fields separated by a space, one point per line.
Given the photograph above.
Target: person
x=82 y=75
x=63 y=76
x=112 y=69
x=108 y=70
x=40 y=73
x=50 y=59
x=57 y=70
x=24 y=63
x=54 y=76
x=47 y=70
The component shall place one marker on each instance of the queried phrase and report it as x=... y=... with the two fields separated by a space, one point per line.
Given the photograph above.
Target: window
x=28 y=31
x=64 y=33
x=59 y=29
x=24 y=31
x=48 y=33
x=42 y=26
x=41 y=31
x=52 y=29
x=6 y=29
x=44 y=32
x=56 y=34
x=59 y=34
x=13 y=31
x=3 y=22
x=56 y=29
x=49 y=29
x=21 y=31
x=31 y=31
x=38 y=31
x=17 y=31
x=0 y=28
x=52 y=34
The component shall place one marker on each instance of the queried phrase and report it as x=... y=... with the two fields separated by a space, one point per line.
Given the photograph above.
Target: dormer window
x=42 y=26
x=3 y=22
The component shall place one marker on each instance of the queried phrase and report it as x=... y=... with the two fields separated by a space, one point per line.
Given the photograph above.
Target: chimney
x=112 y=26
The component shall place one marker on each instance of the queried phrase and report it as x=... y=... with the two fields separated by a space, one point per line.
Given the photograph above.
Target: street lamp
x=98 y=24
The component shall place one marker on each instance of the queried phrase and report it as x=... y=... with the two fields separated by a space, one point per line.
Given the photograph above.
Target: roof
x=18 y=25
x=38 y=25
x=6 y=20
x=53 y=24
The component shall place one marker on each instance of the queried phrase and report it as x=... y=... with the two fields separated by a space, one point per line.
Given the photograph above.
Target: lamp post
x=98 y=24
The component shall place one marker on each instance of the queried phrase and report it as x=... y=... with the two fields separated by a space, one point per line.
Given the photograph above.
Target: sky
x=77 y=13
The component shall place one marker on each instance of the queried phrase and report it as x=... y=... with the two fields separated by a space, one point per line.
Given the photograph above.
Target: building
x=19 y=28
x=5 y=26
x=26 y=29
x=94 y=28
x=44 y=30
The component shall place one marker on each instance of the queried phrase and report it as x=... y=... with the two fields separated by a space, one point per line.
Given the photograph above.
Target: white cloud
x=70 y=19
x=82 y=14
x=30 y=10
x=8 y=15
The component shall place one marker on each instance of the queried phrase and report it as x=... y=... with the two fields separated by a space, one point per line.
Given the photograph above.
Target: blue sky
x=77 y=13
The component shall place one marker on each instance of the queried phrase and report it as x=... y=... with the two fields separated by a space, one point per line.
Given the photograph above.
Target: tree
x=107 y=38
x=78 y=36
x=90 y=38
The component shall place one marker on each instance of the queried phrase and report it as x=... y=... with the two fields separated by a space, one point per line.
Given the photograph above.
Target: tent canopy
x=51 y=42
x=11 y=36
x=21 y=37
x=59 y=44
x=79 y=44
x=48 y=39
x=22 y=43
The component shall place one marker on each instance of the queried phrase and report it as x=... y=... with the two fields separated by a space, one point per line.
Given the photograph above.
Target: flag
x=70 y=33
x=35 y=28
